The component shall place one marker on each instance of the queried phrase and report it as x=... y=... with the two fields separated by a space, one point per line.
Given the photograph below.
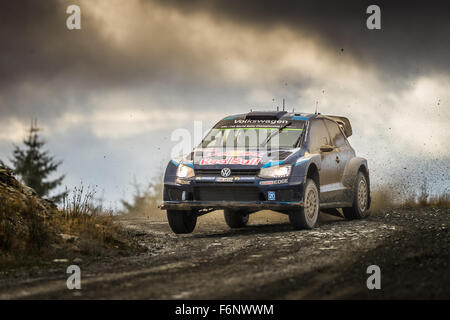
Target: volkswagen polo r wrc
x=293 y=163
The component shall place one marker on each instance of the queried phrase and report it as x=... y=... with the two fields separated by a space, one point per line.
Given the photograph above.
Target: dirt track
x=264 y=261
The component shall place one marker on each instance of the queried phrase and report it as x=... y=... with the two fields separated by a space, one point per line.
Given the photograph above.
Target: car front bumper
x=254 y=195
x=257 y=205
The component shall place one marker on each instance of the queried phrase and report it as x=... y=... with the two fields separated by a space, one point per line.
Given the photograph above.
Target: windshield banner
x=259 y=124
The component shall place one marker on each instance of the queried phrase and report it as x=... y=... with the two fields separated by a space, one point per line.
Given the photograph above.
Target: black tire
x=305 y=217
x=236 y=218
x=181 y=221
x=361 y=196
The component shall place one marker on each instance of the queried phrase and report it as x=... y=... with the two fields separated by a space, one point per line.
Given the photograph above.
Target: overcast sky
x=109 y=96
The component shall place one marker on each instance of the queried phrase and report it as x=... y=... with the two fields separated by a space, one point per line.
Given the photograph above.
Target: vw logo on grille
x=225 y=172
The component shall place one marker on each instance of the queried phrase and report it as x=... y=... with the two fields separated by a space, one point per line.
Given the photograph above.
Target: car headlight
x=276 y=171
x=184 y=171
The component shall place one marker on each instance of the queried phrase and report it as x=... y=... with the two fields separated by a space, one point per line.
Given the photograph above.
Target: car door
x=328 y=174
x=343 y=153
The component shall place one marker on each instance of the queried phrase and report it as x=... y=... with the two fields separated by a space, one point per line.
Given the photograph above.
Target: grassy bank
x=33 y=230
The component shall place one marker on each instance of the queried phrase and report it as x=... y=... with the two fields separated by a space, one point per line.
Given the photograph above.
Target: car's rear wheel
x=236 y=218
x=182 y=221
x=360 y=206
x=305 y=217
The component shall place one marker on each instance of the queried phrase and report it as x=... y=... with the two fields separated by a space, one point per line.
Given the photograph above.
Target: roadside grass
x=24 y=232
x=78 y=229
x=93 y=225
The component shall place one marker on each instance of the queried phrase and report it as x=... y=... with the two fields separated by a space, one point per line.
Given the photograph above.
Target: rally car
x=293 y=163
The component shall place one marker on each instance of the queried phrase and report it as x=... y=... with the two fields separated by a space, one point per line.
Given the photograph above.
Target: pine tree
x=33 y=165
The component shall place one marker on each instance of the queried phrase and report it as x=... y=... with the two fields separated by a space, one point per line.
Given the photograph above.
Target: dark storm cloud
x=35 y=43
x=414 y=38
x=46 y=69
x=37 y=46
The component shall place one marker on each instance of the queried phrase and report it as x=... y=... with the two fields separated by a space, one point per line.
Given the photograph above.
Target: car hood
x=211 y=158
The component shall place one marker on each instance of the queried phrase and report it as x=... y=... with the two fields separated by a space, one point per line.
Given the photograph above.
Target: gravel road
x=266 y=260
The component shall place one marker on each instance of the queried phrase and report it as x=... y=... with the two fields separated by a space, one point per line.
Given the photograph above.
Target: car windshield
x=281 y=135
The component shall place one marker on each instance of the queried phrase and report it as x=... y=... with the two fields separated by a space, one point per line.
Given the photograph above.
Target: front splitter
x=259 y=205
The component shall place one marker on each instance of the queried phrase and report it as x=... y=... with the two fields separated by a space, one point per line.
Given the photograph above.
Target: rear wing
x=344 y=123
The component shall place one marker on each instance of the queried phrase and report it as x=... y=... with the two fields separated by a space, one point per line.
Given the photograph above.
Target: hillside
x=33 y=229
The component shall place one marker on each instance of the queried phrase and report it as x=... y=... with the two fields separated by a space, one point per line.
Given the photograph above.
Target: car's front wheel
x=360 y=206
x=182 y=221
x=236 y=218
x=305 y=217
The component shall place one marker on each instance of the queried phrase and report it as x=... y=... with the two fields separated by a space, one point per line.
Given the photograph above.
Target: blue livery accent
x=189 y=165
x=174 y=162
x=300 y=162
x=271 y=164
x=299 y=118
x=299 y=202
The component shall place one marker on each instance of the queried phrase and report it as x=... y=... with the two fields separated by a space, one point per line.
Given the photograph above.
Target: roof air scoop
x=265 y=115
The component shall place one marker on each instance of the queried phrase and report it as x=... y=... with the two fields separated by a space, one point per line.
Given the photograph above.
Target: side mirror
x=326 y=148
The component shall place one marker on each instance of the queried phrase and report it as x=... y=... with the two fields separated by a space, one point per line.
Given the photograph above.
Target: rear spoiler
x=344 y=123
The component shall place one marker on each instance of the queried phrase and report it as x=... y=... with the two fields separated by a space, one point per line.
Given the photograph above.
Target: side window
x=337 y=138
x=318 y=135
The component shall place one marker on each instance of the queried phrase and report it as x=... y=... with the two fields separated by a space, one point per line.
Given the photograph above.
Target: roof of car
x=343 y=122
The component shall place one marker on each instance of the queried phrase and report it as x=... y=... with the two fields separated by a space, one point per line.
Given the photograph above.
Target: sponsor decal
x=227 y=179
x=252 y=121
x=221 y=179
x=260 y=128
x=271 y=195
x=234 y=160
x=205 y=179
x=244 y=179
x=272 y=182
x=235 y=153
x=267 y=124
